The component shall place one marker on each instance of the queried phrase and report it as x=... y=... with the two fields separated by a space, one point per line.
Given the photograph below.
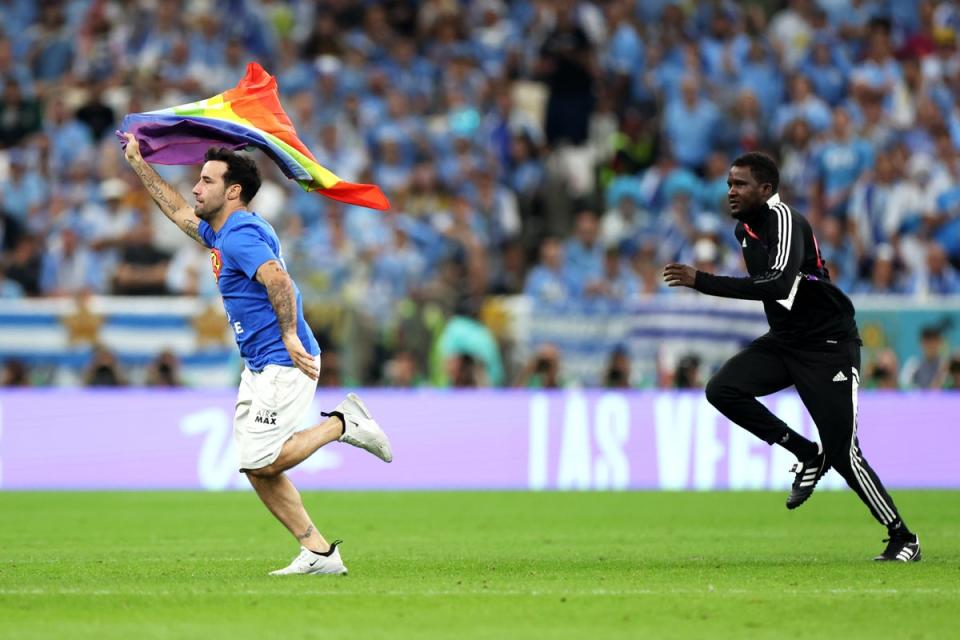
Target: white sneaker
x=361 y=430
x=309 y=562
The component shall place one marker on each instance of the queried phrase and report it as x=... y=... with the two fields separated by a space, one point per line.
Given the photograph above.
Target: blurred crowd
x=561 y=149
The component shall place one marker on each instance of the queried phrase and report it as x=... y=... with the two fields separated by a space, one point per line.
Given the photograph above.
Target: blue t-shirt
x=243 y=244
x=841 y=163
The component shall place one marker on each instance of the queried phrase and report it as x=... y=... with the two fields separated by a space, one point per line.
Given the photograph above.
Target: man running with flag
x=281 y=356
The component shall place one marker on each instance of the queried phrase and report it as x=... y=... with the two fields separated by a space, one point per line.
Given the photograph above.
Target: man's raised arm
x=173 y=205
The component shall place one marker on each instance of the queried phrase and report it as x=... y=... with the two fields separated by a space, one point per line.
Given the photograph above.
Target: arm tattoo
x=306 y=534
x=190 y=228
x=167 y=198
x=160 y=190
x=284 y=301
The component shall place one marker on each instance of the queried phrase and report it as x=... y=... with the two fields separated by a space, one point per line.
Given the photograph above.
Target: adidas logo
x=839 y=377
x=744 y=243
x=905 y=554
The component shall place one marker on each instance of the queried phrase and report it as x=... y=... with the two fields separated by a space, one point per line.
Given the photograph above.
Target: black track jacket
x=788 y=274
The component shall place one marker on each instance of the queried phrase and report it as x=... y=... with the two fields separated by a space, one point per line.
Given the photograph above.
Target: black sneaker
x=808 y=475
x=901 y=549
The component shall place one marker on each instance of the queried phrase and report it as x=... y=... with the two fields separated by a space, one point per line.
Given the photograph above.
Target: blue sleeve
x=48 y=273
x=818 y=163
x=247 y=249
x=532 y=286
x=867 y=153
x=206 y=233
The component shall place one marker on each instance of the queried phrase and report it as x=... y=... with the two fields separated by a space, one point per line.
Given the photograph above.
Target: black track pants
x=827 y=381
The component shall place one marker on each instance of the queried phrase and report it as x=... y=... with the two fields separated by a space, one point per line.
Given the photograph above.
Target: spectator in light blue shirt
x=803 y=104
x=840 y=162
x=392 y=172
x=402 y=125
x=625 y=221
x=410 y=72
x=948 y=213
x=723 y=48
x=940 y=278
x=365 y=227
x=884 y=273
x=662 y=180
x=828 y=70
x=69 y=267
x=869 y=209
x=760 y=75
x=712 y=194
x=525 y=172
x=298 y=74
x=615 y=286
x=798 y=174
x=399 y=267
x=624 y=52
x=16 y=18
x=652 y=11
x=549 y=283
x=24 y=189
x=690 y=125
x=850 y=16
x=207 y=40
x=69 y=138
x=662 y=74
x=52 y=43
x=12 y=69
x=675 y=228
x=494 y=35
x=838 y=253
x=879 y=70
x=9 y=288
x=350 y=161
x=584 y=252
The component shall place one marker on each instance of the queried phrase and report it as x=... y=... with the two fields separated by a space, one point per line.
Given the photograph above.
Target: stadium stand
x=544 y=159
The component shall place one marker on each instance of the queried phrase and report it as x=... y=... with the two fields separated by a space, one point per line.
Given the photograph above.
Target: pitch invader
x=813 y=344
x=281 y=355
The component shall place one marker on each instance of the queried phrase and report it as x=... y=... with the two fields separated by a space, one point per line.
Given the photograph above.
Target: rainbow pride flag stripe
x=248 y=115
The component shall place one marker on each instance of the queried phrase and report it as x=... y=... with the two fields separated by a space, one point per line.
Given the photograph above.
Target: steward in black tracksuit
x=813 y=344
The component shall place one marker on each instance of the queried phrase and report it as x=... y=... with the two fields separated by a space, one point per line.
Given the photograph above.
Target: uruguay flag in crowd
x=250 y=114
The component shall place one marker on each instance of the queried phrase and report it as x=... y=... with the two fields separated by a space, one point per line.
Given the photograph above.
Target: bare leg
x=284 y=502
x=278 y=493
x=301 y=446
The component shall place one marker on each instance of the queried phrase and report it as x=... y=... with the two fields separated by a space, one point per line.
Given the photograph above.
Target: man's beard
x=203 y=213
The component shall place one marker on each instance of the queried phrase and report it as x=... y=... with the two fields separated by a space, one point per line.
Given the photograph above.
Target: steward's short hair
x=762 y=168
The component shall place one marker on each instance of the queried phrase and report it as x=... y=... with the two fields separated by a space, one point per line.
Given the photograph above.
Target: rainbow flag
x=247 y=115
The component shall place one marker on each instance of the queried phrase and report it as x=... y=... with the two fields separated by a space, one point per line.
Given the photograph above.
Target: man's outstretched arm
x=173 y=205
x=778 y=282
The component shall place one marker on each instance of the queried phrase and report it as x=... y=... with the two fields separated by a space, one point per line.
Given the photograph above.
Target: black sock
x=798 y=445
x=898 y=529
x=337 y=414
x=329 y=552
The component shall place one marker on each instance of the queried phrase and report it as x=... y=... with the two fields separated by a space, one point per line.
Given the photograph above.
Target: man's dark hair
x=762 y=168
x=241 y=170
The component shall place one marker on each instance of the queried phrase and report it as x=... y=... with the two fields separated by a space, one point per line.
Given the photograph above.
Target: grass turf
x=475 y=565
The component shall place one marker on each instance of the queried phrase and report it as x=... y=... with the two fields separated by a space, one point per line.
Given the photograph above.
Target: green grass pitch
x=475 y=565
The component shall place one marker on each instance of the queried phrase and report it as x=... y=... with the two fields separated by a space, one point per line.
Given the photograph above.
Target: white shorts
x=271 y=406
